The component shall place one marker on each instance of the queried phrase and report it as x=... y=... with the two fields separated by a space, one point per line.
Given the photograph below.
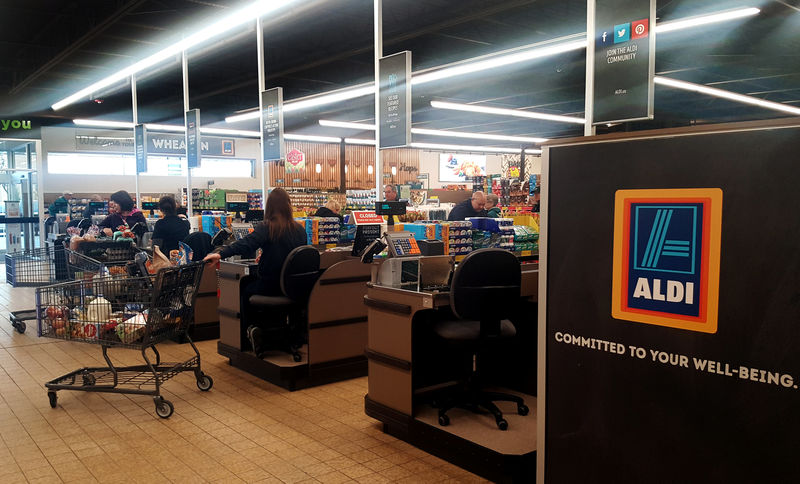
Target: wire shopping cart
x=48 y=265
x=124 y=312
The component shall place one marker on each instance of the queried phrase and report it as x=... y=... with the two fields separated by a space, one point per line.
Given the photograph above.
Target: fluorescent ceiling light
x=533 y=152
x=231 y=132
x=102 y=124
x=229 y=22
x=711 y=91
x=167 y=127
x=305 y=137
x=359 y=141
x=461 y=134
x=499 y=61
x=705 y=19
x=434 y=132
x=506 y=112
x=288 y=107
x=346 y=124
x=484 y=149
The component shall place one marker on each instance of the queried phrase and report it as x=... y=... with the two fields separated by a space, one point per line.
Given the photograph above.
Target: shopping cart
x=49 y=265
x=124 y=312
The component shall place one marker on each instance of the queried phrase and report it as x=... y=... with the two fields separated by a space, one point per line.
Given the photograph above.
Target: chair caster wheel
x=502 y=424
x=444 y=420
x=297 y=357
x=522 y=409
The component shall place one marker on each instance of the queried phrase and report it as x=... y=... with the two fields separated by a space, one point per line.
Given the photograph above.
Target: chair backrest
x=486 y=285
x=300 y=272
x=200 y=242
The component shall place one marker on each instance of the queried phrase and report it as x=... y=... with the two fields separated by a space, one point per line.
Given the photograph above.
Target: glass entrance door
x=19 y=205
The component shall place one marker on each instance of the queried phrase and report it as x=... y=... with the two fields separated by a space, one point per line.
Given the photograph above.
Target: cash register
x=407 y=269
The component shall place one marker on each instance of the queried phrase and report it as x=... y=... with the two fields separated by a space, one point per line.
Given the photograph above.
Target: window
x=157 y=165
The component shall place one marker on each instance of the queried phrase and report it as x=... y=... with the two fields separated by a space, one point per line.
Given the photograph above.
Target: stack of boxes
x=254 y=198
x=457 y=237
x=525 y=238
x=212 y=223
x=492 y=233
x=321 y=230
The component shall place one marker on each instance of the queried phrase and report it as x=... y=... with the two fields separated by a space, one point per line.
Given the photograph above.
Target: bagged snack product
x=131 y=329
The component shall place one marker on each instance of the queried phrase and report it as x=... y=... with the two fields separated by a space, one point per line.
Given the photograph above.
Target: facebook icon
x=605 y=38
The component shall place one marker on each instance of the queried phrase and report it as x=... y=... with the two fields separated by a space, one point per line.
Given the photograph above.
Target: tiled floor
x=243 y=430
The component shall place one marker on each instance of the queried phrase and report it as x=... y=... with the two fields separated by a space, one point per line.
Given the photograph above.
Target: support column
x=135 y=109
x=185 y=70
x=378 y=24
x=262 y=85
x=588 y=128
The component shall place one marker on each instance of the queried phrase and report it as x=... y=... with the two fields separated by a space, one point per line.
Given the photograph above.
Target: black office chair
x=482 y=294
x=200 y=242
x=285 y=314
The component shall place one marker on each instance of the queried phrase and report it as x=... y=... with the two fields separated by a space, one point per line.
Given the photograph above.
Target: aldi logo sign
x=666 y=257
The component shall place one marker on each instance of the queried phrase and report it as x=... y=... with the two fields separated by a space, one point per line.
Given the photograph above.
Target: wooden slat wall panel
x=324 y=154
x=358 y=159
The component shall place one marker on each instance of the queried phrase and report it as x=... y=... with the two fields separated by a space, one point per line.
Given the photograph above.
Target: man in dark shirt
x=472 y=207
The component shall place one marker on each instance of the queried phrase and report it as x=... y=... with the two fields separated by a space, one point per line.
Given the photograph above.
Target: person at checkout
x=492 y=210
x=471 y=207
x=331 y=209
x=60 y=204
x=276 y=236
x=170 y=229
x=121 y=212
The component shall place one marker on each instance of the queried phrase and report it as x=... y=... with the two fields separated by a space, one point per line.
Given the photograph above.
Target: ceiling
x=52 y=48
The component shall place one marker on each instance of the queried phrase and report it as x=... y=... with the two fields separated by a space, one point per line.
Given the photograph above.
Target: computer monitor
x=254 y=216
x=95 y=205
x=237 y=207
x=151 y=206
x=386 y=207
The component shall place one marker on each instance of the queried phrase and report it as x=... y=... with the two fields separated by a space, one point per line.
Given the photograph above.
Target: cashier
x=60 y=205
x=276 y=236
x=472 y=207
x=121 y=212
x=390 y=193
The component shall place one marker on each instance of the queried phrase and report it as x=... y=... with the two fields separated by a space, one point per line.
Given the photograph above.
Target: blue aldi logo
x=666 y=257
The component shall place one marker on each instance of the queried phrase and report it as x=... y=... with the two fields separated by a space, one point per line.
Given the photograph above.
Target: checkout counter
x=407 y=369
x=337 y=325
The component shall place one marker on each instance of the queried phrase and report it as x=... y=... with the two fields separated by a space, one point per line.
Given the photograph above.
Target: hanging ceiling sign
x=140 y=150
x=395 y=100
x=624 y=60
x=272 y=146
x=193 y=153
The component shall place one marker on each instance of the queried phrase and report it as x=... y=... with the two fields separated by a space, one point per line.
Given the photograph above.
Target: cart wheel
x=205 y=382
x=502 y=424
x=164 y=408
x=444 y=420
x=53 y=396
x=522 y=409
x=20 y=326
x=89 y=379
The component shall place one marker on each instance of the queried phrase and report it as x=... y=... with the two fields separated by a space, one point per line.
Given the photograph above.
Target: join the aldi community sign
x=624 y=60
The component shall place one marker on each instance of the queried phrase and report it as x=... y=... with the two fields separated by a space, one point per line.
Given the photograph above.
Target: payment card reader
x=402 y=244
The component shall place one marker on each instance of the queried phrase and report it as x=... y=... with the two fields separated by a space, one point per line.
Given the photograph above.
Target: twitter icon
x=622 y=33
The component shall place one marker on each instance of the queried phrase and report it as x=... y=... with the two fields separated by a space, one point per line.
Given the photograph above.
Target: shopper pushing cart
x=124 y=312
